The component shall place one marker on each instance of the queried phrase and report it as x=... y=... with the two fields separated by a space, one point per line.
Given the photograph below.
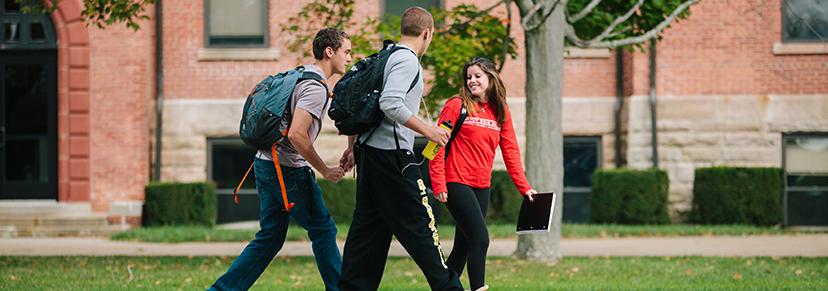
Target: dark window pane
x=38 y=32
x=26 y=159
x=11 y=6
x=805 y=20
x=808 y=208
x=228 y=211
x=576 y=205
x=237 y=22
x=229 y=163
x=26 y=99
x=580 y=160
x=236 y=40
x=398 y=7
x=11 y=31
x=807 y=181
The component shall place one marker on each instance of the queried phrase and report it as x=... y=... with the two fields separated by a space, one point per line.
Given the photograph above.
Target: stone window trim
x=237 y=54
x=802 y=48
x=586 y=53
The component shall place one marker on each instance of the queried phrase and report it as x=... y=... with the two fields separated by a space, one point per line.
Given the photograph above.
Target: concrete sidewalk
x=729 y=246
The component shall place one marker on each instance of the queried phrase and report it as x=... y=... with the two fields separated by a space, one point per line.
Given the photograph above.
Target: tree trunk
x=544 y=143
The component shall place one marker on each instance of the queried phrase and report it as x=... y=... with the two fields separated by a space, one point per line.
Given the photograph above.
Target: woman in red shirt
x=461 y=178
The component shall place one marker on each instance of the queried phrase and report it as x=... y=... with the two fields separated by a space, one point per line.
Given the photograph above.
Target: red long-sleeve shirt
x=473 y=150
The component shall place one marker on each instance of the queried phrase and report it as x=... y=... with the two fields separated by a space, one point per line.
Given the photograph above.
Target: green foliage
x=180 y=204
x=504 y=206
x=738 y=195
x=101 y=13
x=645 y=18
x=340 y=199
x=463 y=32
x=628 y=196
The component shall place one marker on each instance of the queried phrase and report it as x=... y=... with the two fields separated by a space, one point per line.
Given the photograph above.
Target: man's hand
x=437 y=135
x=346 y=162
x=333 y=174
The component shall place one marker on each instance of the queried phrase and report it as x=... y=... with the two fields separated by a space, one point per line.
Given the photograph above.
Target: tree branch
x=487 y=10
x=617 y=21
x=527 y=18
x=578 y=16
x=524 y=5
x=569 y=30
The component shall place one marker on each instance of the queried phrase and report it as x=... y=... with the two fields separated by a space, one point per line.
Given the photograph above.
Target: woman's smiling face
x=477 y=81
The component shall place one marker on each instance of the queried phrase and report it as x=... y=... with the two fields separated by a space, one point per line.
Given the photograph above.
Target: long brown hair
x=496 y=91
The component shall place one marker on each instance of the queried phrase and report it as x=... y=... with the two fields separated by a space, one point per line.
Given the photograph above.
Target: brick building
x=737 y=83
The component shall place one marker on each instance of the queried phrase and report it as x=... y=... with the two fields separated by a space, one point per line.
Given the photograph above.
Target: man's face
x=341 y=57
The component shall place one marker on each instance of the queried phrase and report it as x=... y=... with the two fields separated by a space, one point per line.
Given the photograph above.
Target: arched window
x=25 y=31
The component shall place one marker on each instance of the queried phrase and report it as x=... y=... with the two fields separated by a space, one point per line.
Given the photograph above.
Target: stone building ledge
x=237 y=54
x=586 y=53
x=816 y=48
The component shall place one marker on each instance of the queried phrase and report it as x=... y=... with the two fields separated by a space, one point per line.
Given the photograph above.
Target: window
x=24 y=31
x=398 y=7
x=806 y=179
x=227 y=161
x=804 y=20
x=582 y=156
x=235 y=23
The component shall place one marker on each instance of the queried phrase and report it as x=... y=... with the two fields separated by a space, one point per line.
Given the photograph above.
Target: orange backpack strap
x=236 y=192
x=288 y=206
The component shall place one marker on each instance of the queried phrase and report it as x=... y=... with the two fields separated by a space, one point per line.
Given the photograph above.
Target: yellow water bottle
x=432 y=148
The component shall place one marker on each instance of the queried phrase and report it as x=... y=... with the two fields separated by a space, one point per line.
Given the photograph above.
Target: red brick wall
x=122 y=90
x=726 y=47
x=186 y=77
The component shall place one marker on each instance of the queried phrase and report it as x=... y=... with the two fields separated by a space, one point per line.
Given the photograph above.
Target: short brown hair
x=327 y=37
x=415 y=20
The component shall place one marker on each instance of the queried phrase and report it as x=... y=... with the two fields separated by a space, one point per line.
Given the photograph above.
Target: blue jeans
x=310 y=212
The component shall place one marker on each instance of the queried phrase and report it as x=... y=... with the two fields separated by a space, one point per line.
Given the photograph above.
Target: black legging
x=471 y=241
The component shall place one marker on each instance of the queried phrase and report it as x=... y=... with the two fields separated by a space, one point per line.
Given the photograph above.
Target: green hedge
x=627 y=196
x=730 y=195
x=503 y=207
x=340 y=198
x=180 y=204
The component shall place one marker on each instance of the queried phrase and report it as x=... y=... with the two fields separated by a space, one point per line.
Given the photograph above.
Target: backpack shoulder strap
x=456 y=129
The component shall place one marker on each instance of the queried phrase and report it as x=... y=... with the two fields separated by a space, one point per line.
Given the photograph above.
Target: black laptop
x=536 y=216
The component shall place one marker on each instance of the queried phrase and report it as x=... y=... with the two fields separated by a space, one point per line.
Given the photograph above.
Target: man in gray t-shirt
x=332 y=51
x=309 y=96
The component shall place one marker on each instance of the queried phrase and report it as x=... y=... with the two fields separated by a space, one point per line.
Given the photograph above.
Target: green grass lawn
x=296 y=233
x=299 y=273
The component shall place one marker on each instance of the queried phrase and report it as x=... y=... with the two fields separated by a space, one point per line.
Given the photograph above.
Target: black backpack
x=355 y=107
x=265 y=109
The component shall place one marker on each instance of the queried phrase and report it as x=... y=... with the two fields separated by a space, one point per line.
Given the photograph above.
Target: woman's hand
x=529 y=194
x=442 y=197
